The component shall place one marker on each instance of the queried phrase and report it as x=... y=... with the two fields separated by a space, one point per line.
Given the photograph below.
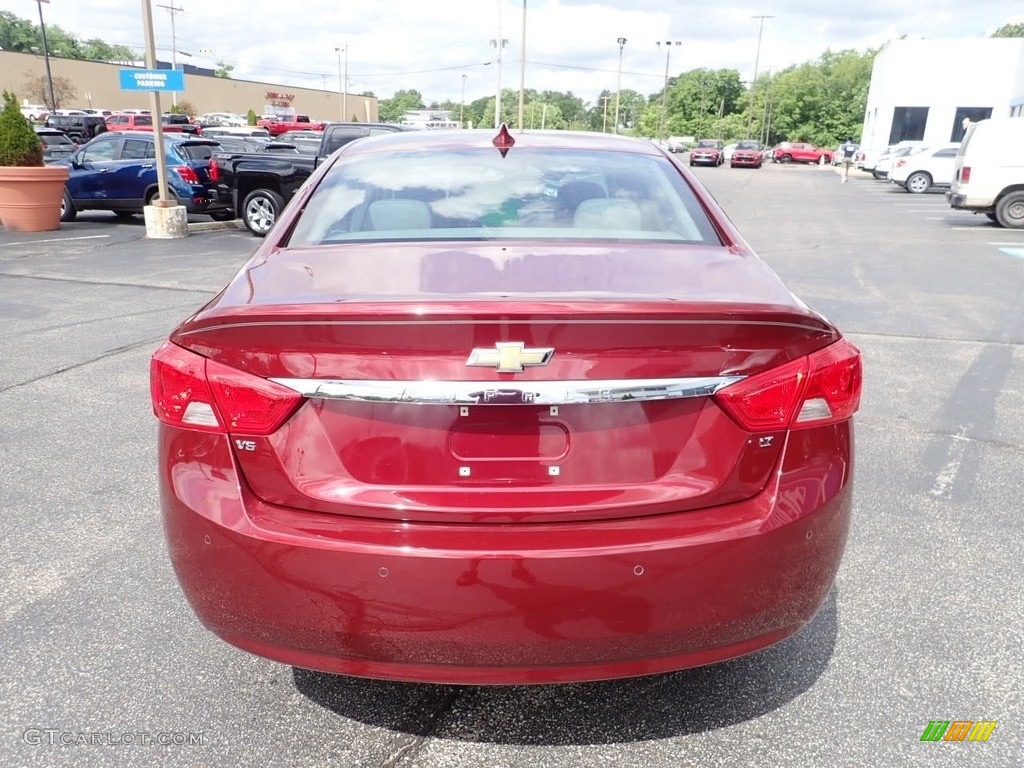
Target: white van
x=988 y=174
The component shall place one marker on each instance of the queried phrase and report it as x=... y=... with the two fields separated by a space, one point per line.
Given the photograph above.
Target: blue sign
x=152 y=79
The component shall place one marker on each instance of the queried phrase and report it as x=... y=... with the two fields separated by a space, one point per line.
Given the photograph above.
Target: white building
x=430 y=118
x=924 y=89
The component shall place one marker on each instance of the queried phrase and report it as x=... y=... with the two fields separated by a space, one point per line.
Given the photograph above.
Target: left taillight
x=821 y=388
x=192 y=392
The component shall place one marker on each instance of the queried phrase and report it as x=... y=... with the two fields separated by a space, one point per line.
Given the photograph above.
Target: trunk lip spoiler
x=495 y=393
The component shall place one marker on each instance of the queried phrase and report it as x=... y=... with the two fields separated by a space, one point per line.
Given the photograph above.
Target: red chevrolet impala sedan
x=505 y=408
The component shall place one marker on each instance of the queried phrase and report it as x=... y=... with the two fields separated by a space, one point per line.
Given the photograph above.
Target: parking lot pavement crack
x=106 y=318
x=887 y=425
x=412 y=746
x=114 y=283
x=82 y=363
x=850 y=332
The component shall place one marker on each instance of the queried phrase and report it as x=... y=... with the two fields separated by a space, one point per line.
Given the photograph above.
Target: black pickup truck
x=261 y=184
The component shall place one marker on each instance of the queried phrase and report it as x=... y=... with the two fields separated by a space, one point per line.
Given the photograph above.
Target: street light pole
x=344 y=90
x=341 y=85
x=46 y=55
x=618 y=86
x=462 y=104
x=753 y=83
x=664 y=92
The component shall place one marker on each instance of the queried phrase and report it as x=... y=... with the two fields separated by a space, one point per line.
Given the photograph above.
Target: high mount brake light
x=821 y=388
x=193 y=392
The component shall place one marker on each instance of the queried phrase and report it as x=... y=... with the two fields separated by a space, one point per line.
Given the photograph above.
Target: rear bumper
x=502 y=604
x=963 y=203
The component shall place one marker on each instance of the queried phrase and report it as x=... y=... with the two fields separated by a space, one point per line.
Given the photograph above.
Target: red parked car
x=493 y=408
x=796 y=152
x=748 y=154
x=708 y=152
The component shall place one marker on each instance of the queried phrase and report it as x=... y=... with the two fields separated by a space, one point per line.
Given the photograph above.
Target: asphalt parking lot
x=925 y=622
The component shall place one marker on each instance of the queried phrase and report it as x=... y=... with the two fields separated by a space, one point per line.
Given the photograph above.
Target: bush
x=19 y=145
x=250 y=117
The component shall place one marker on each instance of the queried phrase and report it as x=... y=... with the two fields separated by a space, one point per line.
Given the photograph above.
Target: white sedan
x=923 y=170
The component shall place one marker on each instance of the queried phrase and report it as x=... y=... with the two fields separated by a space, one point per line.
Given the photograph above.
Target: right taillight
x=965 y=174
x=821 y=388
x=214 y=170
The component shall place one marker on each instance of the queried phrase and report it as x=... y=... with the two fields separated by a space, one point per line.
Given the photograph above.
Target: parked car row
x=988 y=172
x=225 y=177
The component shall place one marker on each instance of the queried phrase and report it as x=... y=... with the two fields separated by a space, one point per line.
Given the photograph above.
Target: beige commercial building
x=97 y=85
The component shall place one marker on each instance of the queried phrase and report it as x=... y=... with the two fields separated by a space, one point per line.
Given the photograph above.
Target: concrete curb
x=214 y=226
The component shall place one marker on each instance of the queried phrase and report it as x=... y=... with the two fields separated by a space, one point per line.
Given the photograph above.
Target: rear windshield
x=475 y=194
x=198 y=151
x=54 y=139
x=143 y=120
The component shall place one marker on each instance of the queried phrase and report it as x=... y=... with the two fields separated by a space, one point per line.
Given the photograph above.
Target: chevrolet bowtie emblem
x=510 y=356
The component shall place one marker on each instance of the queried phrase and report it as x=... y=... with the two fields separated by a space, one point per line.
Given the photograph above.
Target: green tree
x=19 y=145
x=393 y=110
x=1010 y=30
x=223 y=70
x=18 y=34
x=251 y=117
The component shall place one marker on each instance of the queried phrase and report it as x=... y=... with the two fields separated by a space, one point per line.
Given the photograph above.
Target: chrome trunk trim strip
x=510 y=393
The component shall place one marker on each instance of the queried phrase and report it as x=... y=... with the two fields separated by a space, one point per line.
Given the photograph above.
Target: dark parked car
x=80 y=128
x=56 y=144
x=261 y=185
x=244 y=144
x=117 y=172
x=181 y=121
x=496 y=408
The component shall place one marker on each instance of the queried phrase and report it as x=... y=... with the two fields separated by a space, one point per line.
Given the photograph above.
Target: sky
x=445 y=49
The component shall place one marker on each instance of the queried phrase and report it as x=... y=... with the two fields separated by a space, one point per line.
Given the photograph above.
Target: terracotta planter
x=30 y=197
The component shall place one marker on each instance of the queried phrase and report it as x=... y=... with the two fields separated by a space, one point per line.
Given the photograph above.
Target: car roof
x=482 y=138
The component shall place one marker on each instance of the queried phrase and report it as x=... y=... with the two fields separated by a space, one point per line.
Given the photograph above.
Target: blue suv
x=116 y=171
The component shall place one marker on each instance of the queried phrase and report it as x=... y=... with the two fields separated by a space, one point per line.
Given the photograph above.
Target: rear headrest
x=608 y=213
x=388 y=215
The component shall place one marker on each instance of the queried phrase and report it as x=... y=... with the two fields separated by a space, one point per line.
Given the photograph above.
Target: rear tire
x=919 y=182
x=1010 y=210
x=67 y=207
x=260 y=211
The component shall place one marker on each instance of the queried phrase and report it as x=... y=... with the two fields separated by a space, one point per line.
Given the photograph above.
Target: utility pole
x=664 y=92
x=498 y=44
x=171 y=9
x=618 y=86
x=46 y=55
x=753 y=83
x=604 y=126
x=522 y=70
x=162 y=200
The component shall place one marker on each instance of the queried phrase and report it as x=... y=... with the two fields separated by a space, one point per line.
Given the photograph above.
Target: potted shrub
x=30 y=192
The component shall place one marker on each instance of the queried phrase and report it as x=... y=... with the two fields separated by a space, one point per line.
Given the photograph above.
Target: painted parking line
x=1017 y=253
x=1008 y=242
x=58 y=240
